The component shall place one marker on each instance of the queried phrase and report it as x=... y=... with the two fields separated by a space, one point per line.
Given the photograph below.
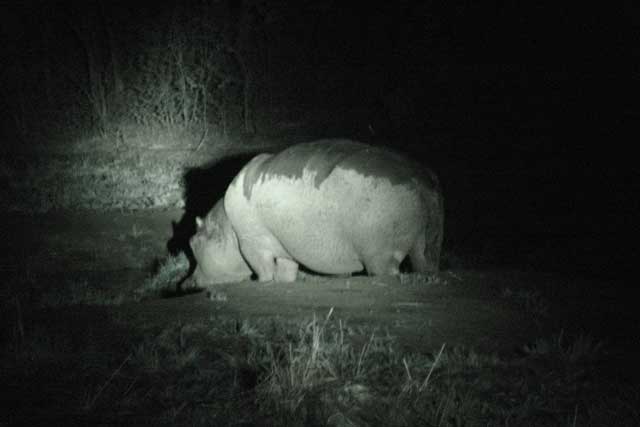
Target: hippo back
x=324 y=156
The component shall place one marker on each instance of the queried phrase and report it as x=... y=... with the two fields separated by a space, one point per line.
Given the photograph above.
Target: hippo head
x=215 y=249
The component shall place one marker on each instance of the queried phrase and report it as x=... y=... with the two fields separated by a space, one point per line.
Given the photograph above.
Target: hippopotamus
x=333 y=206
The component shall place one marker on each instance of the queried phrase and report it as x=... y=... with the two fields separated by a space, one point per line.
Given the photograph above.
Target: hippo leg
x=262 y=262
x=385 y=264
x=286 y=270
x=417 y=256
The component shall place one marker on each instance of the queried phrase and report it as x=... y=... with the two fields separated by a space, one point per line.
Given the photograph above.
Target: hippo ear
x=198 y=222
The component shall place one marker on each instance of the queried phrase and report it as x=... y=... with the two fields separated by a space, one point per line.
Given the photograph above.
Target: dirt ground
x=71 y=315
x=496 y=310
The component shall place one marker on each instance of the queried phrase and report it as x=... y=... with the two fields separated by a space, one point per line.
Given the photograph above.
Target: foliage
x=102 y=181
x=167 y=277
x=181 y=71
x=321 y=371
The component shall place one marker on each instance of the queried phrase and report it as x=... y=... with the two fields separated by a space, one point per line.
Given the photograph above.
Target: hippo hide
x=334 y=206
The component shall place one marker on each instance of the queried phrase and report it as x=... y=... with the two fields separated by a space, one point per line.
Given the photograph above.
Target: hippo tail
x=435 y=235
x=434 y=223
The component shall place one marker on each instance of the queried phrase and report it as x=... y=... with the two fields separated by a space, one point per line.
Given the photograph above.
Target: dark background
x=526 y=110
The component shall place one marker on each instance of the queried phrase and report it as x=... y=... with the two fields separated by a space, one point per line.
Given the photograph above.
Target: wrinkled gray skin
x=334 y=206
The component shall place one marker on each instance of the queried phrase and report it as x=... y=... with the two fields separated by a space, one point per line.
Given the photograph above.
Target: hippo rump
x=334 y=206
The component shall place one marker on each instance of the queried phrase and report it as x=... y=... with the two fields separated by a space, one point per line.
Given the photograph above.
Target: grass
x=317 y=371
x=320 y=371
x=166 y=278
x=43 y=292
x=416 y=279
x=101 y=180
x=531 y=300
x=582 y=349
x=74 y=292
x=103 y=174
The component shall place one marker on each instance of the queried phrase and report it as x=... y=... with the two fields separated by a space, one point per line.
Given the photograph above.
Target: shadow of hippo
x=204 y=186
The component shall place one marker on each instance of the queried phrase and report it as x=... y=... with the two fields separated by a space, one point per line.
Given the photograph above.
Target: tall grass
x=321 y=371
